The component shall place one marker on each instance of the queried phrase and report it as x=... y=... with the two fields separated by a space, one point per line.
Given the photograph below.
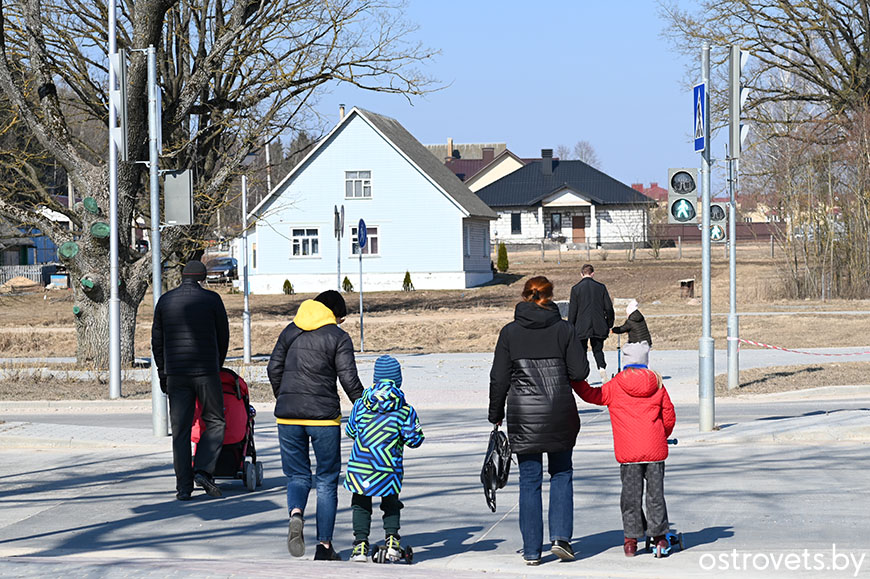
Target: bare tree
x=808 y=109
x=584 y=151
x=230 y=73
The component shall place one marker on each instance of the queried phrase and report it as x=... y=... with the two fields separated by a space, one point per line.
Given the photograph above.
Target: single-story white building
x=568 y=201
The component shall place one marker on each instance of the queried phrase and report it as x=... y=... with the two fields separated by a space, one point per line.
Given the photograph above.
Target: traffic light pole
x=706 y=351
x=733 y=320
x=735 y=133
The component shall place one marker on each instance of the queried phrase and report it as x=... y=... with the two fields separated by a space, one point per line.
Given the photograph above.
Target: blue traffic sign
x=700 y=107
x=362 y=235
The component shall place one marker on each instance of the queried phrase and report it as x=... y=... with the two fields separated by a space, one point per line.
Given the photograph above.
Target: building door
x=578 y=226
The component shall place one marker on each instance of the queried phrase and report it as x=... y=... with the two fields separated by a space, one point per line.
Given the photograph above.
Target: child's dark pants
x=361 y=506
x=633 y=522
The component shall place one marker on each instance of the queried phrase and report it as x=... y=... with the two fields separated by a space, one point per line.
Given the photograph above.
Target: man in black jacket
x=591 y=313
x=310 y=354
x=189 y=341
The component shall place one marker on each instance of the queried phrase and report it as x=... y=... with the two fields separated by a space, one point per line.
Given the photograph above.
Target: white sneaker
x=604 y=377
x=360 y=553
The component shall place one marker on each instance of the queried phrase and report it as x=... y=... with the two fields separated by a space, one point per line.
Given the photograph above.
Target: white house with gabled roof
x=419 y=216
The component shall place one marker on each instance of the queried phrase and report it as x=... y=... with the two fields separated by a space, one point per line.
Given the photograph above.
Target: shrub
x=346 y=285
x=288 y=288
x=407 y=285
x=502 y=258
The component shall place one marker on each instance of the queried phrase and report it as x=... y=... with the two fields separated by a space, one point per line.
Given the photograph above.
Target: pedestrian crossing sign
x=700 y=106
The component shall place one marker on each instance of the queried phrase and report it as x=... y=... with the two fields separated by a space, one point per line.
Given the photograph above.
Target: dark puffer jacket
x=534 y=359
x=310 y=354
x=636 y=328
x=591 y=310
x=190 y=334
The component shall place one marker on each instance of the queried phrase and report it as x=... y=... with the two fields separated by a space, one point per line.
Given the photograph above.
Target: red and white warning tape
x=760 y=345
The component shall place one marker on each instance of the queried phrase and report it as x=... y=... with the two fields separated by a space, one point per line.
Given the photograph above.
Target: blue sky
x=539 y=74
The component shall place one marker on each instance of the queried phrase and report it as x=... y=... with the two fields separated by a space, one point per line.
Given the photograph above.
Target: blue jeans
x=561 y=513
x=296 y=463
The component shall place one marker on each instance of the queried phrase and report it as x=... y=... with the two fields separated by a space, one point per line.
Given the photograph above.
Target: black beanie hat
x=333 y=300
x=193 y=269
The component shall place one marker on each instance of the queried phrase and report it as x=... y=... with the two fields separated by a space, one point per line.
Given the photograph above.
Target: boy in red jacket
x=642 y=417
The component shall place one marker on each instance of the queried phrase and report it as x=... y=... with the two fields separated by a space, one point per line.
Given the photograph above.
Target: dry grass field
x=469 y=320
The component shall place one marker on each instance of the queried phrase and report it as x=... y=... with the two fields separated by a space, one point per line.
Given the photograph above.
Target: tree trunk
x=92 y=327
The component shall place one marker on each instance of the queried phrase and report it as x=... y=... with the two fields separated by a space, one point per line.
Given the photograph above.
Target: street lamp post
x=246 y=311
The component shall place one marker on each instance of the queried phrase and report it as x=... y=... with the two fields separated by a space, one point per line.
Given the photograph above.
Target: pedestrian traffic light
x=736 y=99
x=682 y=196
x=718 y=218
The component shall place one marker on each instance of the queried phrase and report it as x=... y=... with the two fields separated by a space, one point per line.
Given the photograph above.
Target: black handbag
x=496 y=465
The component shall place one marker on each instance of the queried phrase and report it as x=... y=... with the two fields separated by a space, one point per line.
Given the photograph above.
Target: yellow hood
x=313 y=315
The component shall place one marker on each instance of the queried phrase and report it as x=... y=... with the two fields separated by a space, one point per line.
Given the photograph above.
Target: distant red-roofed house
x=654 y=191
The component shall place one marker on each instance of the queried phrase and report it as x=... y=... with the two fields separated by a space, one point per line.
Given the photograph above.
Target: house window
x=305 y=242
x=254 y=256
x=357 y=184
x=516 y=223
x=555 y=223
x=467 y=235
x=371 y=247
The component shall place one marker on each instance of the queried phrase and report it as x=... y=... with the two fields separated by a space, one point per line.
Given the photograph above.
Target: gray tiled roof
x=430 y=165
x=528 y=186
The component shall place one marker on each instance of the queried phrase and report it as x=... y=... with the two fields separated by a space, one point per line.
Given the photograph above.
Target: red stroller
x=238 y=436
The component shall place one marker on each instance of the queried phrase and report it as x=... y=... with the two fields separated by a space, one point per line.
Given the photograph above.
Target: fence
x=38 y=273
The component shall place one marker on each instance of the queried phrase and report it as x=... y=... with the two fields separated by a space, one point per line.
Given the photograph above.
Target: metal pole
x=733 y=320
x=679 y=247
x=268 y=170
x=114 y=301
x=246 y=311
x=159 y=420
x=362 y=341
x=706 y=346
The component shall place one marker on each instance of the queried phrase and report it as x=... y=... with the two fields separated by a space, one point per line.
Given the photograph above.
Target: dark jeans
x=326 y=442
x=561 y=514
x=597 y=350
x=634 y=523
x=361 y=506
x=183 y=392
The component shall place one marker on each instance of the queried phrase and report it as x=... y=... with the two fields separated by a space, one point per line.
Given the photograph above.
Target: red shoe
x=630 y=547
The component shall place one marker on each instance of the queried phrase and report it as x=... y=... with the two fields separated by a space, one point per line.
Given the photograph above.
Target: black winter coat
x=635 y=325
x=534 y=359
x=190 y=334
x=590 y=310
x=306 y=362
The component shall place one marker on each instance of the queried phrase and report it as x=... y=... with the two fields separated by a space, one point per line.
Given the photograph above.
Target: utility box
x=178 y=197
x=687 y=288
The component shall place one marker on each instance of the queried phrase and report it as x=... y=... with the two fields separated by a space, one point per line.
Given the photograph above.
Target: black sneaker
x=295 y=541
x=326 y=553
x=563 y=550
x=183 y=495
x=207 y=483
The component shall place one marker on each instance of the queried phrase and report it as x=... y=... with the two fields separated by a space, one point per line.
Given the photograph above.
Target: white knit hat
x=631 y=307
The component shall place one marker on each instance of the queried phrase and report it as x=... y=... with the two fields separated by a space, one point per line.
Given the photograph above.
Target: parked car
x=222 y=269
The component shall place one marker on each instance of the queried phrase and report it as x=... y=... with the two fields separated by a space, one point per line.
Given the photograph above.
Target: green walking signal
x=682 y=196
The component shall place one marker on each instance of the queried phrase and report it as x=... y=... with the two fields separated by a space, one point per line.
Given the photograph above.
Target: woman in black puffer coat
x=535 y=358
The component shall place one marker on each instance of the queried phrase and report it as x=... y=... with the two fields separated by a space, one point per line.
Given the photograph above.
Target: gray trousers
x=633 y=476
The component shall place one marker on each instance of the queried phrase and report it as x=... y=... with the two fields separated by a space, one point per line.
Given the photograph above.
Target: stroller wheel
x=250 y=477
x=259 y=474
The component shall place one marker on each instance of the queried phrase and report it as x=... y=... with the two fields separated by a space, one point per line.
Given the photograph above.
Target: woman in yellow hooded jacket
x=310 y=354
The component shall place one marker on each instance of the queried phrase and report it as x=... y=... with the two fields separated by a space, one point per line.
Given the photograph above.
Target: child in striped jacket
x=381 y=424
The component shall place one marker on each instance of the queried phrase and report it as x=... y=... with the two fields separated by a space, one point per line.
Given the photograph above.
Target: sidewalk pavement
x=86 y=490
